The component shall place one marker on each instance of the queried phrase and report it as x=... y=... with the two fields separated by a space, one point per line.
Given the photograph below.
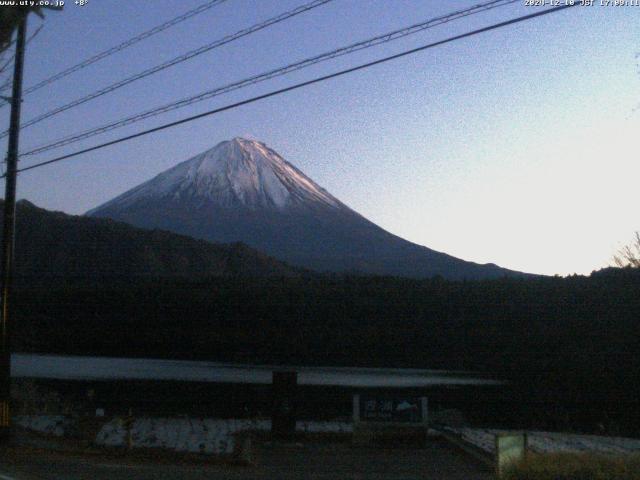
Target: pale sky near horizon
x=517 y=146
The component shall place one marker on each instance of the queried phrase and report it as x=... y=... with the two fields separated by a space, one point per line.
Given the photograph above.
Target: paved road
x=318 y=462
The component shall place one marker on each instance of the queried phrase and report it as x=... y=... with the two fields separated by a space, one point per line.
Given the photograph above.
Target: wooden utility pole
x=8 y=234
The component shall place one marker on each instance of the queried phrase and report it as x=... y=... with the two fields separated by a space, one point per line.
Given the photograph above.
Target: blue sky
x=517 y=146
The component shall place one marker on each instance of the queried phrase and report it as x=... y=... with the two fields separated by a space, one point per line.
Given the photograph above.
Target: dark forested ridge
x=54 y=244
x=98 y=287
x=576 y=338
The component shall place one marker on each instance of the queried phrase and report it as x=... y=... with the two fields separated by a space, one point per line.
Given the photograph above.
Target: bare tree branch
x=629 y=256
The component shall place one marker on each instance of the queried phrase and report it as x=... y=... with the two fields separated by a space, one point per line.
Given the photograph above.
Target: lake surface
x=107 y=368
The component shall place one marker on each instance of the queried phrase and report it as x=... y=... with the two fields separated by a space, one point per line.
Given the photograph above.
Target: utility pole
x=8 y=236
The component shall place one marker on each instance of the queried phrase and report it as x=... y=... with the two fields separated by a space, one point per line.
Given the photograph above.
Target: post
x=8 y=237
x=510 y=449
x=356 y=408
x=128 y=423
x=424 y=410
x=283 y=417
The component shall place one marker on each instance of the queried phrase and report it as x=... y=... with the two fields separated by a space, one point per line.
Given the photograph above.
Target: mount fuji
x=241 y=190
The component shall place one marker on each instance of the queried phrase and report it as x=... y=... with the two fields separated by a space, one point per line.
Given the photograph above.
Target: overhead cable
x=127 y=43
x=174 y=61
x=371 y=42
x=300 y=85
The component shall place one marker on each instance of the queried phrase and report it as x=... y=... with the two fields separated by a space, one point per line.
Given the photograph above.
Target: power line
x=387 y=37
x=302 y=84
x=179 y=59
x=132 y=41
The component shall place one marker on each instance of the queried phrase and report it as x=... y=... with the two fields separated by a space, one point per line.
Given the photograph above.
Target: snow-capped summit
x=241 y=190
x=239 y=172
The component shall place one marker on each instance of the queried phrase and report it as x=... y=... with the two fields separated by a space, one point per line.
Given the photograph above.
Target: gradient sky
x=518 y=146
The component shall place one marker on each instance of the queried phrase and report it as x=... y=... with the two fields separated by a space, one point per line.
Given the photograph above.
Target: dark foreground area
x=569 y=348
x=435 y=461
x=488 y=406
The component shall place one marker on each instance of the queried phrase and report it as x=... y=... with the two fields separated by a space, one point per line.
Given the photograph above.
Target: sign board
x=409 y=410
x=510 y=448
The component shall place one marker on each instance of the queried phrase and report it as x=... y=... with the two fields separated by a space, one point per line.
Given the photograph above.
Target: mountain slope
x=53 y=244
x=241 y=190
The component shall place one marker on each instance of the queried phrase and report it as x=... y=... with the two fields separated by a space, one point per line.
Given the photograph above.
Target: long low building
x=109 y=369
x=176 y=387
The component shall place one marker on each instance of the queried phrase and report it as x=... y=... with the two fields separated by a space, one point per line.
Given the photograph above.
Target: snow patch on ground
x=49 y=424
x=548 y=442
x=196 y=435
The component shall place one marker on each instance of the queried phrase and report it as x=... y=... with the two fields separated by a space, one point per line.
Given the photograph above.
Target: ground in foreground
x=436 y=461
